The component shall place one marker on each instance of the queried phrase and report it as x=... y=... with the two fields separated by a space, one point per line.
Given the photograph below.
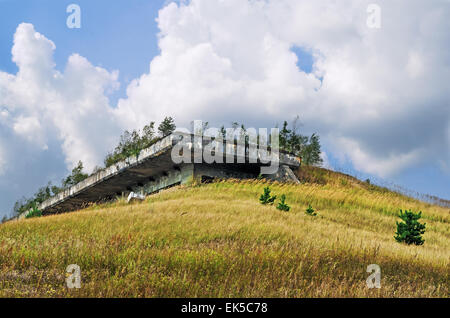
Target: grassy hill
x=217 y=240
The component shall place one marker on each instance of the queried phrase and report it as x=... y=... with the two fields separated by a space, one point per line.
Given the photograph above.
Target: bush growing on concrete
x=26 y=204
x=410 y=230
x=33 y=213
x=131 y=144
x=77 y=176
x=308 y=148
x=167 y=127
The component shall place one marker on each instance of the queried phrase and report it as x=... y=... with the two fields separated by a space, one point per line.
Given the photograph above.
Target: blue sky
x=118 y=35
x=123 y=36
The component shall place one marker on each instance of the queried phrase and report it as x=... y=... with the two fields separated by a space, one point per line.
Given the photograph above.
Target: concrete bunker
x=154 y=170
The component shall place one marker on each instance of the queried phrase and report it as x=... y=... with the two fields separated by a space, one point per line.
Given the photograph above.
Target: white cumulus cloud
x=30 y=129
x=39 y=104
x=379 y=97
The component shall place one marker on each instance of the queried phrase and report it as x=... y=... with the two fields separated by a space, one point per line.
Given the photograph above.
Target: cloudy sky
x=373 y=81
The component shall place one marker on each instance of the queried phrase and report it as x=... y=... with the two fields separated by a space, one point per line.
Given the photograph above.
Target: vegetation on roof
x=132 y=143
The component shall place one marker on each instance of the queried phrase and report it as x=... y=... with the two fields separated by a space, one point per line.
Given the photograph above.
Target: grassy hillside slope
x=216 y=240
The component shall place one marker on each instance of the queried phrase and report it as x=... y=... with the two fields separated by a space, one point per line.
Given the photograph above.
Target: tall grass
x=216 y=240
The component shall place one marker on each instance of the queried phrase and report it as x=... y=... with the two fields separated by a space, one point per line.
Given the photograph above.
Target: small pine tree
x=266 y=198
x=310 y=211
x=282 y=204
x=166 y=127
x=284 y=136
x=410 y=231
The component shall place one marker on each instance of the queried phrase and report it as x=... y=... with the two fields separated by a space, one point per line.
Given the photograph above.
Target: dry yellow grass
x=216 y=240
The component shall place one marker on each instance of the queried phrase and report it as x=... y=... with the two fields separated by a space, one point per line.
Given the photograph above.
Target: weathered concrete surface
x=132 y=197
x=284 y=174
x=114 y=180
x=181 y=174
x=153 y=170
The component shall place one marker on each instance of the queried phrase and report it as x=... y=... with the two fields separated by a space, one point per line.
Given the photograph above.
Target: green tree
x=266 y=198
x=135 y=145
x=410 y=230
x=166 y=127
x=282 y=204
x=76 y=177
x=56 y=190
x=294 y=142
x=43 y=193
x=148 y=135
x=284 y=137
x=311 y=152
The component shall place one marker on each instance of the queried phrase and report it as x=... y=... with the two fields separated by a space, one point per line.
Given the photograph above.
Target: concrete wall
x=224 y=171
x=181 y=175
